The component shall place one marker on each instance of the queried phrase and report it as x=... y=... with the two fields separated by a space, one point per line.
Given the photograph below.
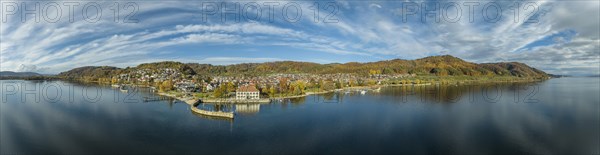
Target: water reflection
x=247 y=108
x=487 y=92
x=220 y=107
x=559 y=116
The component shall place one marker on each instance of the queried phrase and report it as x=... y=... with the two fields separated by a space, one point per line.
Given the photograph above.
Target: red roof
x=247 y=88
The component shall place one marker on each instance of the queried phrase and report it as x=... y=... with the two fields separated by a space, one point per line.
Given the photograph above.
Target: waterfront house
x=187 y=86
x=247 y=92
x=210 y=87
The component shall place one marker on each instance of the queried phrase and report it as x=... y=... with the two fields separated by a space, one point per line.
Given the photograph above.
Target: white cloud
x=362 y=29
x=488 y=42
x=373 y=5
x=102 y=49
x=29 y=68
x=207 y=38
x=578 y=57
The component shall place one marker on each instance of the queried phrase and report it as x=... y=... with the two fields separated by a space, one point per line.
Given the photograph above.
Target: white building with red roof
x=247 y=92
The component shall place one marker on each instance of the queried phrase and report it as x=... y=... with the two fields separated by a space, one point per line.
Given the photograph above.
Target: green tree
x=339 y=85
x=388 y=71
x=327 y=85
x=221 y=91
x=230 y=87
x=166 y=85
x=272 y=91
x=298 y=87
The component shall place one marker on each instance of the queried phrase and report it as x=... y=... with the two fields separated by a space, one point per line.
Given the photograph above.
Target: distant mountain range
x=445 y=65
x=18 y=74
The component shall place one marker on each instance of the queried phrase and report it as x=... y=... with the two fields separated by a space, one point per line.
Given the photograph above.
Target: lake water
x=557 y=116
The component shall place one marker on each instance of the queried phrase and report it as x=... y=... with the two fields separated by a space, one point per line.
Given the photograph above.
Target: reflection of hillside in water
x=443 y=93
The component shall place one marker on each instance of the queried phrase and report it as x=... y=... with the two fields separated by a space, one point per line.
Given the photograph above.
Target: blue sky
x=559 y=37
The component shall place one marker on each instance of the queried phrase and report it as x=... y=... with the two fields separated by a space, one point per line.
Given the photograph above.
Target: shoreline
x=193 y=100
x=465 y=82
x=189 y=100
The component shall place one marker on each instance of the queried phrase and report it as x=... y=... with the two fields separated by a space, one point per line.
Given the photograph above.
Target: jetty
x=211 y=113
x=233 y=100
x=151 y=99
x=193 y=102
x=196 y=110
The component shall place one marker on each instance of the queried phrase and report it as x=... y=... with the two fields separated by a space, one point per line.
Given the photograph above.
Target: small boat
x=151 y=99
x=122 y=89
x=362 y=92
x=116 y=86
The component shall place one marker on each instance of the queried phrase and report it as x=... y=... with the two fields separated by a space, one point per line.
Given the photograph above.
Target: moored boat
x=123 y=89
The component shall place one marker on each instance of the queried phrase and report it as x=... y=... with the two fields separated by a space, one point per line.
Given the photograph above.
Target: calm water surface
x=557 y=116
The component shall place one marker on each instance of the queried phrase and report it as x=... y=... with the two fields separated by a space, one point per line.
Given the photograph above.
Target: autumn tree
x=297 y=88
x=283 y=85
x=327 y=85
x=221 y=91
x=388 y=71
x=166 y=85
x=272 y=91
x=230 y=87
x=114 y=80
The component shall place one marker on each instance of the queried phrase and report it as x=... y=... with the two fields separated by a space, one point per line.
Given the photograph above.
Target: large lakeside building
x=247 y=92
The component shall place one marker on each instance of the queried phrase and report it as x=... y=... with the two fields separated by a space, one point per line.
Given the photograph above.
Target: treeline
x=429 y=66
x=435 y=65
x=37 y=77
x=283 y=88
x=90 y=73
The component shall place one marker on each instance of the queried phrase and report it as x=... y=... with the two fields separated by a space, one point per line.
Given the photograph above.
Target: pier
x=194 y=102
x=211 y=113
x=233 y=100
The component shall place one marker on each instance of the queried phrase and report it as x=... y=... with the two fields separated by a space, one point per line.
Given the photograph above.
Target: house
x=209 y=87
x=187 y=87
x=247 y=92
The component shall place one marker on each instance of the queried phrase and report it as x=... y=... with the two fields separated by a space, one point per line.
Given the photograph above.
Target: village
x=247 y=88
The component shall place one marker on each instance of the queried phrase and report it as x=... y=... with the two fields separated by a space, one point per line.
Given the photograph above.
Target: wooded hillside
x=434 y=65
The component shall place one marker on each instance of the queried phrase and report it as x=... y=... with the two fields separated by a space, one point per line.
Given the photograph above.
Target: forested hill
x=434 y=65
x=18 y=74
